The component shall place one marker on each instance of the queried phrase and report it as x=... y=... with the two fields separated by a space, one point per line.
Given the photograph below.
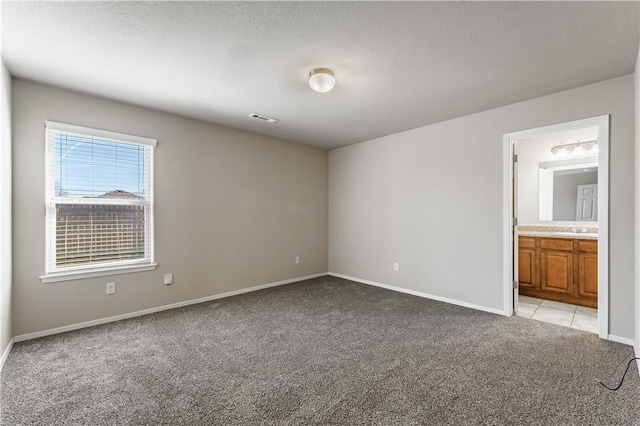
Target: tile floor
x=572 y=316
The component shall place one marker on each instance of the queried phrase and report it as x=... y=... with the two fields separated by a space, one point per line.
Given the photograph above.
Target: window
x=99 y=202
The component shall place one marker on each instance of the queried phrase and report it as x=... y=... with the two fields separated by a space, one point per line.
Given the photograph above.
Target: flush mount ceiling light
x=578 y=148
x=321 y=80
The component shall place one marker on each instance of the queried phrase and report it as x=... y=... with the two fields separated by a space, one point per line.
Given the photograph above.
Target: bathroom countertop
x=552 y=231
x=567 y=235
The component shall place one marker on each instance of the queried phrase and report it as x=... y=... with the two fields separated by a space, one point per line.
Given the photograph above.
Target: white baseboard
x=618 y=339
x=5 y=355
x=100 y=321
x=420 y=294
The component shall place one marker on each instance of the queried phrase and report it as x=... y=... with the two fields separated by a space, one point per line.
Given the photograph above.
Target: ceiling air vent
x=263 y=118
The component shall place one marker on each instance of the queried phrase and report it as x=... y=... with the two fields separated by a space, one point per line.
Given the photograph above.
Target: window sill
x=96 y=272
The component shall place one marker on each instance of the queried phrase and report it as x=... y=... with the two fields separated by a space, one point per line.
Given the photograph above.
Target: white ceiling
x=399 y=65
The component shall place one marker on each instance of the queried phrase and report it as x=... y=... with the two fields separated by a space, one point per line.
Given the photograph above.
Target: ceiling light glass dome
x=321 y=80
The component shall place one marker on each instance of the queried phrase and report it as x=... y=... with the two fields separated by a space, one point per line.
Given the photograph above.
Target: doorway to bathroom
x=556 y=224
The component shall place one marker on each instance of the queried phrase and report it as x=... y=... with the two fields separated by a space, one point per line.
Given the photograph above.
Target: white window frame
x=54 y=274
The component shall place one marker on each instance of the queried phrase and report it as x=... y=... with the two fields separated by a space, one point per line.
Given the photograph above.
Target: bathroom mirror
x=568 y=190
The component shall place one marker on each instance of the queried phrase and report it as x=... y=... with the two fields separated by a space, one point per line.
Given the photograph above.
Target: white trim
x=603 y=209
x=507 y=241
x=104 y=134
x=603 y=219
x=101 y=321
x=5 y=355
x=95 y=272
x=618 y=339
x=421 y=294
x=102 y=201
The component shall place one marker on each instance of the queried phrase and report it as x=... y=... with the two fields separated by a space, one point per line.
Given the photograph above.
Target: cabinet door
x=527 y=268
x=557 y=271
x=588 y=274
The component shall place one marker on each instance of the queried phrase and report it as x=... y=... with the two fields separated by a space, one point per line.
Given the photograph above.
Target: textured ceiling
x=398 y=65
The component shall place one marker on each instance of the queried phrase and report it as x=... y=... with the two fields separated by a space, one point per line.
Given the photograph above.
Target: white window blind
x=99 y=199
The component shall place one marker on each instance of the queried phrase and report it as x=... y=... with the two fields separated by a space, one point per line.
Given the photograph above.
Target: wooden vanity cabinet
x=564 y=270
x=527 y=265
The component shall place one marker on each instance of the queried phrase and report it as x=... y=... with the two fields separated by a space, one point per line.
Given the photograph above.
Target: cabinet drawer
x=588 y=246
x=527 y=242
x=556 y=244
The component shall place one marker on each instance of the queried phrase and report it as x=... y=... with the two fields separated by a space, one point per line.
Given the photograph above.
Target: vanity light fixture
x=321 y=80
x=577 y=148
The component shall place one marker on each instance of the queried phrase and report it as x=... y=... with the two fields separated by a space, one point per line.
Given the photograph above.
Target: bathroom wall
x=531 y=152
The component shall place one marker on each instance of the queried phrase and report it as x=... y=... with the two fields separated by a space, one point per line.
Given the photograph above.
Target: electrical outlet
x=111 y=288
x=396 y=266
x=168 y=279
x=297 y=259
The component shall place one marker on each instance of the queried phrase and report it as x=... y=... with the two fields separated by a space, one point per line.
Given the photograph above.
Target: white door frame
x=603 y=211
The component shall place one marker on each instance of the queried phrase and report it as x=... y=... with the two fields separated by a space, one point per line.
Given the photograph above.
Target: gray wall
x=637 y=157
x=565 y=193
x=232 y=210
x=5 y=209
x=431 y=199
